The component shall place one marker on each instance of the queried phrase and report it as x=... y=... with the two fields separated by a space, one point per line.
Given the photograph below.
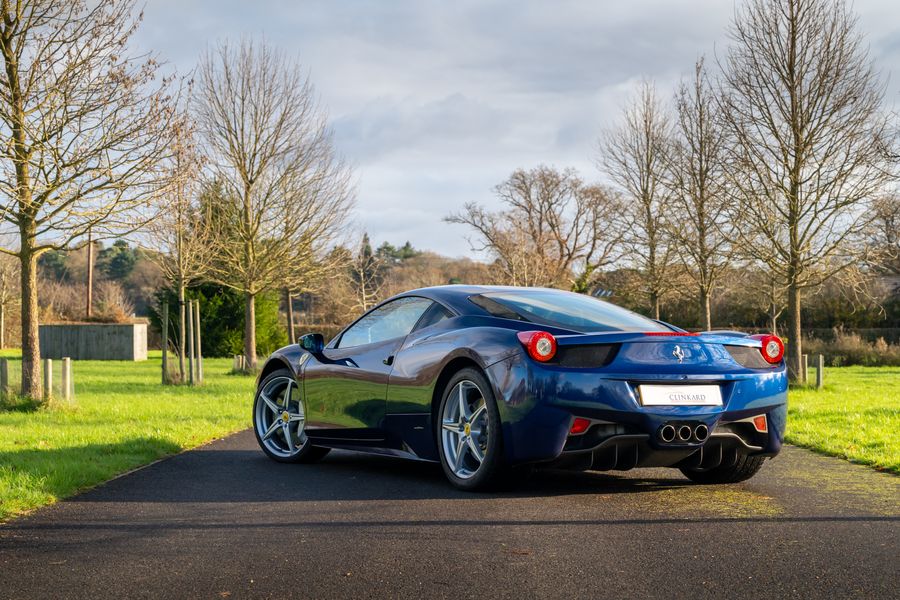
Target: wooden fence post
x=66 y=378
x=165 y=343
x=805 y=374
x=820 y=372
x=4 y=376
x=190 y=340
x=48 y=379
x=197 y=333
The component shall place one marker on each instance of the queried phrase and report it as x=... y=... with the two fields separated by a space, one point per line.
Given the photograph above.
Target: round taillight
x=772 y=348
x=540 y=345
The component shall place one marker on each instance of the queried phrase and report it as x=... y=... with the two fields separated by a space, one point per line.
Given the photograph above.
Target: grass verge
x=856 y=416
x=121 y=418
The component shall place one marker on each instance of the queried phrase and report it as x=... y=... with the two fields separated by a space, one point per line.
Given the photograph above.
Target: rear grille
x=748 y=357
x=585 y=357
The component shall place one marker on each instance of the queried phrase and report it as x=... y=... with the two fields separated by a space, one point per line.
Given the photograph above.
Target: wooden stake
x=290 y=317
x=67 y=379
x=190 y=341
x=48 y=379
x=820 y=372
x=197 y=346
x=165 y=343
x=4 y=376
x=805 y=368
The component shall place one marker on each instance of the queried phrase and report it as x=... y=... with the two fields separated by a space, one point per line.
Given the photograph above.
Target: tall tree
x=699 y=201
x=285 y=192
x=181 y=236
x=635 y=156
x=885 y=235
x=555 y=230
x=810 y=144
x=83 y=126
x=9 y=290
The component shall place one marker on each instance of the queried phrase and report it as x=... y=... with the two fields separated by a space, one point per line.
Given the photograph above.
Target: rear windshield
x=567 y=310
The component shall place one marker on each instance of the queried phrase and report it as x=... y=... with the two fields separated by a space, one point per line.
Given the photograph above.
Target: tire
x=470 y=474
x=282 y=440
x=743 y=469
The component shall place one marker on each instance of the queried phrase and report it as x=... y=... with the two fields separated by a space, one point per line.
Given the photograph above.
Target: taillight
x=540 y=345
x=772 y=347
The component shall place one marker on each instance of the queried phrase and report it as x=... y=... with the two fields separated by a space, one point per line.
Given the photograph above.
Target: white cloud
x=436 y=102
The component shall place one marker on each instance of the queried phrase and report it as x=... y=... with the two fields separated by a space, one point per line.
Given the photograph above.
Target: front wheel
x=279 y=419
x=469 y=432
x=742 y=469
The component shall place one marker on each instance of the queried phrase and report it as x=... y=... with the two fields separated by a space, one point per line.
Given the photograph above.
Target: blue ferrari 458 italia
x=488 y=379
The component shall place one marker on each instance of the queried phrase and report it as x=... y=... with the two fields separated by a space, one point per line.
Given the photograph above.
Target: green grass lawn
x=856 y=416
x=121 y=418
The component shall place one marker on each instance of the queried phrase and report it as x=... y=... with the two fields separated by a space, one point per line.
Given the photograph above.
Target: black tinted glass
x=568 y=310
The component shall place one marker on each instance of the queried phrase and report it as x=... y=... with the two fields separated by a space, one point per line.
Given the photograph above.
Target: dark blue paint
x=388 y=408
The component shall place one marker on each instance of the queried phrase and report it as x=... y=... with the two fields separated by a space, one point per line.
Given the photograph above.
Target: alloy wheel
x=280 y=418
x=464 y=429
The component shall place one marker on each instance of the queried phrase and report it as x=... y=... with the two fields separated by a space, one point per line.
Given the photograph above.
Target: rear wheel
x=279 y=419
x=469 y=433
x=742 y=469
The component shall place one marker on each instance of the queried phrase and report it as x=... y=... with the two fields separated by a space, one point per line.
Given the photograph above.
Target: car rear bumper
x=538 y=405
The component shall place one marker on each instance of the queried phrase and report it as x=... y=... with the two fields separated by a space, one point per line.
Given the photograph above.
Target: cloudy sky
x=435 y=102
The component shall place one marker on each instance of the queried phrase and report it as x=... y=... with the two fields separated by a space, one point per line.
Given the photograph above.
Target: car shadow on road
x=219 y=475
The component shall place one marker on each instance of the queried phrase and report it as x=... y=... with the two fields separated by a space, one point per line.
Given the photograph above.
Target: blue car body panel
x=389 y=408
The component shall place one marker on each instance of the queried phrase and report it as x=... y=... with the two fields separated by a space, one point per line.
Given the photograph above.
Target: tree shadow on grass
x=39 y=475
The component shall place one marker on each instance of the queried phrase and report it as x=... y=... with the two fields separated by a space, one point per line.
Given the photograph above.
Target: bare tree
x=285 y=191
x=885 y=234
x=366 y=272
x=555 y=231
x=810 y=143
x=83 y=126
x=635 y=157
x=181 y=237
x=699 y=201
x=9 y=290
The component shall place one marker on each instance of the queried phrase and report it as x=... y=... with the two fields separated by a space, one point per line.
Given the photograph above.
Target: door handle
x=389 y=360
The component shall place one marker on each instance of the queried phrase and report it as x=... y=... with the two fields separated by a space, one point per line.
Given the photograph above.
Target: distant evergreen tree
x=118 y=261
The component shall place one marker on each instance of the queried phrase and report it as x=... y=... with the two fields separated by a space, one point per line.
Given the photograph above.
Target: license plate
x=680 y=395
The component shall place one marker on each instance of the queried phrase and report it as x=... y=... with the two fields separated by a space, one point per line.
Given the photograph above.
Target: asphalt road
x=224 y=521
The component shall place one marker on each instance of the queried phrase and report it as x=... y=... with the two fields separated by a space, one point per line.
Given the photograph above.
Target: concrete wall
x=94 y=341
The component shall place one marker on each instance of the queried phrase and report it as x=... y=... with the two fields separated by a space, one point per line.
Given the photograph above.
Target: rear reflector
x=760 y=424
x=579 y=426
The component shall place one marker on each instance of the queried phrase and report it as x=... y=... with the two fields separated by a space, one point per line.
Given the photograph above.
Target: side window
x=394 y=319
x=433 y=315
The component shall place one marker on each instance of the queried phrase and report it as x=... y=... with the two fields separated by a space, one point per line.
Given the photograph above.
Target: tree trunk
x=250 y=331
x=31 y=349
x=181 y=333
x=705 y=313
x=654 y=304
x=290 y=317
x=795 y=350
x=2 y=326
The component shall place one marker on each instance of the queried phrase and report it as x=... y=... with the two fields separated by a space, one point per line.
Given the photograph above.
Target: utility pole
x=90 y=275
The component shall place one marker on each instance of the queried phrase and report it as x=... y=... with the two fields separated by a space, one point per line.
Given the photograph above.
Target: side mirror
x=313 y=342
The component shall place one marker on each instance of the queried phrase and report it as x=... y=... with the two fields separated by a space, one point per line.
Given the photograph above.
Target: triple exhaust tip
x=684 y=433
